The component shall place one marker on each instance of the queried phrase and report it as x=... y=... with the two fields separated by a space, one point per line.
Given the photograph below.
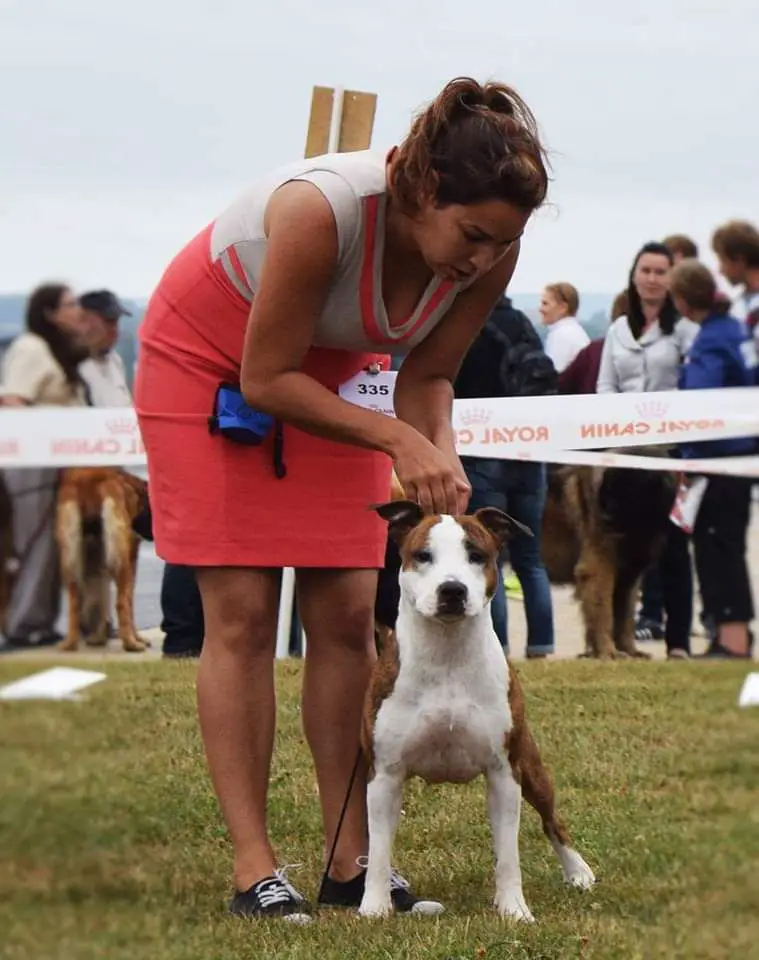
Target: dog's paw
x=134 y=644
x=576 y=871
x=375 y=907
x=641 y=654
x=511 y=905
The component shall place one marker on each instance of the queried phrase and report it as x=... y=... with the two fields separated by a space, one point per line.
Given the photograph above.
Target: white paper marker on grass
x=58 y=683
x=749 y=696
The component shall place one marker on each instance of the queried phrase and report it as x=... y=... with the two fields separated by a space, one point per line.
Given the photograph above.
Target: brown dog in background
x=603 y=527
x=95 y=510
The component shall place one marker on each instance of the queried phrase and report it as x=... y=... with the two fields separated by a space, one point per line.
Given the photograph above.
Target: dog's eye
x=423 y=556
x=477 y=556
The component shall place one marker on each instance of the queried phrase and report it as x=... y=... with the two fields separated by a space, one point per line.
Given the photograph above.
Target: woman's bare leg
x=337 y=610
x=236 y=705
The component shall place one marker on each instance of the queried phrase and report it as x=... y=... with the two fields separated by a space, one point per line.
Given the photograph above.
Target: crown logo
x=121 y=426
x=652 y=409
x=474 y=416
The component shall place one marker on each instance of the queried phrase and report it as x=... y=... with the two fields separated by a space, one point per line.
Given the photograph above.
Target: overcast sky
x=125 y=127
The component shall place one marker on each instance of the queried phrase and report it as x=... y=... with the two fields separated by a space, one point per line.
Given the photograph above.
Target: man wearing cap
x=104 y=371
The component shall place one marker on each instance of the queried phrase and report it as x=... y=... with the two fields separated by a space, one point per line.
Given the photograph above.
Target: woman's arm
x=424 y=388
x=301 y=259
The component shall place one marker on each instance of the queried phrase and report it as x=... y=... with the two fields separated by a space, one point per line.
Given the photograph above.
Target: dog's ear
x=500 y=524
x=401 y=516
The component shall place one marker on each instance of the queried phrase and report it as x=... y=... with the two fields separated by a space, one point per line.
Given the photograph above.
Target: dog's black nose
x=452 y=594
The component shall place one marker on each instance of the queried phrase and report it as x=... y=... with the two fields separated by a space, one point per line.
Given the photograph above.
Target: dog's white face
x=449 y=568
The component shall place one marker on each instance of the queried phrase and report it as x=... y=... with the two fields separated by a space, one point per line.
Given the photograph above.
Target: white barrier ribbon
x=563 y=429
x=486 y=428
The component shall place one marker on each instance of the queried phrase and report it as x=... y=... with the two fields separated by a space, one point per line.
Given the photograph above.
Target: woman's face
x=552 y=308
x=651 y=277
x=69 y=316
x=461 y=243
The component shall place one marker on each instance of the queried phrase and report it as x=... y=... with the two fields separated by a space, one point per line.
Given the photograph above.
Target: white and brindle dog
x=445 y=705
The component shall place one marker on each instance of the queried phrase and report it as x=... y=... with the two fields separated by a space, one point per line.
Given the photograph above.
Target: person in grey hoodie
x=644 y=348
x=643 y=352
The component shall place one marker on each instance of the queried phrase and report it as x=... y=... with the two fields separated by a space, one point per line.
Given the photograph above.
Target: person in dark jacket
x=722 y=355
x=581 y=376
x=507 y=360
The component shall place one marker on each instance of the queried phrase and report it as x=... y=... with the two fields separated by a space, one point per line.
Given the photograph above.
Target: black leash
x=339 y=824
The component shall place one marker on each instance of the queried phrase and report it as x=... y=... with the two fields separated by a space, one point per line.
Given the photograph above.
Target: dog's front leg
x=384 y=796
x=504 y=804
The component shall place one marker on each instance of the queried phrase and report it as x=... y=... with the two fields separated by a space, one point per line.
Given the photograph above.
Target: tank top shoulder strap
x=345 y=180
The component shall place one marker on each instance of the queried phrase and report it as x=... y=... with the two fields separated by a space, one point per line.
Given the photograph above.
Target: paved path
x=568 y=625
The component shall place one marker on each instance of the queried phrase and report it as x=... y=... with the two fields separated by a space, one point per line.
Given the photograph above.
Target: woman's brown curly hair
x=473 y=143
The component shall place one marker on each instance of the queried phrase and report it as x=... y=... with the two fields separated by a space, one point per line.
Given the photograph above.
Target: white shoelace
x=279 y=889
x=397 y=882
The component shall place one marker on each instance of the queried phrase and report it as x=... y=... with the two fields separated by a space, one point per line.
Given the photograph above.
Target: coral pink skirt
x=218 y=503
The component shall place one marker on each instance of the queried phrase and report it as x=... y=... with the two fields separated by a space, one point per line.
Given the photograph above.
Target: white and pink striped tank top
x=354 y=317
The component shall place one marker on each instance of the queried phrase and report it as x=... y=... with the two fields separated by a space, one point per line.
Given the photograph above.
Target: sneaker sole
x=427 y=908
x=298 y=919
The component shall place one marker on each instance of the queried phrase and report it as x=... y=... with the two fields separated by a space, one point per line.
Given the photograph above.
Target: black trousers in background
x=676 y=579
x=719 y=541
x=182 y=611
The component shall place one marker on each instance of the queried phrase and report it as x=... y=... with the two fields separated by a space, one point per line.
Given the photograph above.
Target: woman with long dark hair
x=643 y=351
x=40 y=368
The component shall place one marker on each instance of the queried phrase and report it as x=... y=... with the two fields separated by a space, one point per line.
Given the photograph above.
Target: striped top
x=354 y=317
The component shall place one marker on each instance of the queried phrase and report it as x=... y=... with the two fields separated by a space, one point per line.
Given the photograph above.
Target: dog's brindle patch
x=381 y=685
x=527 y=765
x=484 y=541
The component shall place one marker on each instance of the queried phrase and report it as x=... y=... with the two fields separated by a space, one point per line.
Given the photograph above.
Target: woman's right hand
x=429 y=477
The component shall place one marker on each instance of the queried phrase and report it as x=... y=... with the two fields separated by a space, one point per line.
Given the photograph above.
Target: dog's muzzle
x=451 y=599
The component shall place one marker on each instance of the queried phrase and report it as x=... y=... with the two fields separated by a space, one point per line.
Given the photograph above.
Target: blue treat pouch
x=235 y=420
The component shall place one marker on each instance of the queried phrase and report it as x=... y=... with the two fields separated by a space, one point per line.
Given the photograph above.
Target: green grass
x=111 y=844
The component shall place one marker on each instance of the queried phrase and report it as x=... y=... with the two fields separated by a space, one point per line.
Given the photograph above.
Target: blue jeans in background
x=518 y=489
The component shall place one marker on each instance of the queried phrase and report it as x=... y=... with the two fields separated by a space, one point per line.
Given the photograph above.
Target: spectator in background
x=722 y=355
x=681 y=247
x=620 y=306
x=581 y=376
x=737 y=247
x=40 y=368
x=103 y=371
x=558 y=312
x=507 y=360
x=643 y=351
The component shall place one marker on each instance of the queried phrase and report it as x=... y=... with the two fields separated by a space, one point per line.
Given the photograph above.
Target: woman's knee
x=239 y=609
x=339 y=614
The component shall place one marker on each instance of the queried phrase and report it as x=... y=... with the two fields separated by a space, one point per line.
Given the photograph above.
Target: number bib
x=373 y=391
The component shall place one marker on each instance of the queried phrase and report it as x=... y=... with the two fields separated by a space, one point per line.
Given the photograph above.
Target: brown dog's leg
x=68 y=533
x=625 y=594
x=594 y=579
x=121 y=557
x=537 y=790
x=71 y=640
x=125 y=579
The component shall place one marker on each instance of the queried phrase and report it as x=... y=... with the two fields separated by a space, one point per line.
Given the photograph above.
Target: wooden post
x=341 y=121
